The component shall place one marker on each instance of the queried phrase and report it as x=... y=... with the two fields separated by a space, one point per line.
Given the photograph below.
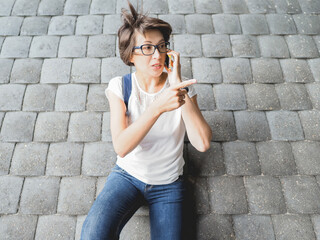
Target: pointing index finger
x=185 y=84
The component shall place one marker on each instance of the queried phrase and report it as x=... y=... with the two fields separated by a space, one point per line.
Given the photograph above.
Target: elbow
x=204 y=147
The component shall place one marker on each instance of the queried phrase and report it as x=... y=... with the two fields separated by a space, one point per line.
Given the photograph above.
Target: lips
x=156 y=65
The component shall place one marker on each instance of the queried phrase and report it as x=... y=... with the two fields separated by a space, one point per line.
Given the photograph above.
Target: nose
x=156 y=53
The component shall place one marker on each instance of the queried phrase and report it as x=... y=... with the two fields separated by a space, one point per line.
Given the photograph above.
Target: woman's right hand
x=173 y=97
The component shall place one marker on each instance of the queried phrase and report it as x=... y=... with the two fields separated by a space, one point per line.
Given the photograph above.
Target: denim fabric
x=123 y=195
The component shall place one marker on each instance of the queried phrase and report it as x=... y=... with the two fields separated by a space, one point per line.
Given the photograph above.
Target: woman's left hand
x=174 y=74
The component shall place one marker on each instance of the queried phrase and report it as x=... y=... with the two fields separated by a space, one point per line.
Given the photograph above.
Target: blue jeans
x=123 y=195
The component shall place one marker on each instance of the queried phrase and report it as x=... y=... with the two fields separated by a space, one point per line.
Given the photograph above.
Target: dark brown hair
x=134 y=23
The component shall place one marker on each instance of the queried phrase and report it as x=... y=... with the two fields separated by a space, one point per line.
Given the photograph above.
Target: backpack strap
x=126 y=89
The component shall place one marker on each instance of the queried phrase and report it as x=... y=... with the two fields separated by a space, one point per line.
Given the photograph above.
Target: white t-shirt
x=158 y=159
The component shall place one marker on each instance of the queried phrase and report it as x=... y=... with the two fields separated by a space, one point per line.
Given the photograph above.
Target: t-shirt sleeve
x=115 y=86
x=192 y=91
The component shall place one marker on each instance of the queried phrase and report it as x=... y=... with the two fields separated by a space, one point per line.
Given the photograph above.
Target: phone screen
x=167 y=60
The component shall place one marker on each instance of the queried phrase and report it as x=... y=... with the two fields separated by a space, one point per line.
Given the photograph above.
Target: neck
x=150 y=83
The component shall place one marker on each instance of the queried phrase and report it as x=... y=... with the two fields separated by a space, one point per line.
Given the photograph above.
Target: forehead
x=153 y=36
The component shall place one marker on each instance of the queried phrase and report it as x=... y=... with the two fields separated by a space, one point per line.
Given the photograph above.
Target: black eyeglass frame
x=154 y=48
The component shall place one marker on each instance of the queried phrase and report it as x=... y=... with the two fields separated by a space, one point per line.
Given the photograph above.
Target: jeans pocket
x=116 y=168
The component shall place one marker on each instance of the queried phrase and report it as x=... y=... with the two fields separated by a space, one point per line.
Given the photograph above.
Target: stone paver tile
x=265 y=195
x=254 y=24
x=296 y=70
x=317 y=41
x=76 y=195
x=198 y=194
x=62 y=25
x=85 y=127
x=230 y=96
x=39 y=97
x=309 y=6
x=266 y=70
x=80 y=221
x=302 y=46
x=11 y=96
x=273 y=47
x=9 y=195
x=39 y=195
x=181 y=6
x=85 y=70
x=51 y=8
x=124 y=4
x=310 y=121
x=101 y=46
x=54 y=227
x=210 y=163
x=18 y=127
x=73 y=46
x=245 y=46
x=89 y=25
x=6 y=7
x=215 y=226
x=293 y=227
x=199 y=23
x=276 y=158
x=285 y=125
x=64 y=159
x=228 y=195
x=208 y=6
x=287 y=6
x=261 y=6
x=316 y=223
x=77 y=7
x=186 y=69
x=18 y=226
x=262 y=97
x=176 y=21
x=35 y=26
x=302 y=194
x=25 y=7
x=10 y=26
x=307 y=157
x=111 y=24
x=205 y=96
x=15 y=47
x=137 y=228
x=71 y=97
x=101 y=181
x=281 y=24
x=29 y=159
x=44 y=47
x=241 y=158
x=26 y=71
x=314 y=63
x=313 y=90
x=226 y=24
x=6 y=152
x=112 y=67
x=98 y=159
x=51 y=127
x=97 y=100
x=216 y=45
x=1 y=41
x=307 y=23
x=156 y=7
x=183 y=43
x=56 y=70
x=106 y=131
x=5 y=69
x=253 y=227
x=206 y=70
x=252 y=126
x=236 y=70
x=103 y=7
x=223 y=124
x=234 y=6
x=293 y=96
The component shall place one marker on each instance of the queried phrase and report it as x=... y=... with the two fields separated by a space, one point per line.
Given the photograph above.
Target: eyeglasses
x=149 y=49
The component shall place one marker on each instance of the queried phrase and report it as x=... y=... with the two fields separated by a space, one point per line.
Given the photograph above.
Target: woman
x=149 y=141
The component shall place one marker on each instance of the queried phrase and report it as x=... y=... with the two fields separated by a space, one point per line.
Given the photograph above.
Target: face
x=144 y=63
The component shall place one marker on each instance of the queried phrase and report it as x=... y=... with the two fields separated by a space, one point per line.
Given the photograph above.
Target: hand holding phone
x=169 y=62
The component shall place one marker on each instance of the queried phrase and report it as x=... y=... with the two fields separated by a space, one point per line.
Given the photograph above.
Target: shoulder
x=115 y=85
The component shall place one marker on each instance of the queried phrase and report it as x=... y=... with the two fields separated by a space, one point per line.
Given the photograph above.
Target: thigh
x=112 y=209
x=166 y=211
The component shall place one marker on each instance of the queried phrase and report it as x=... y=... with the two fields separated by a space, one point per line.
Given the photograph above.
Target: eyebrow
x=151 y=42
